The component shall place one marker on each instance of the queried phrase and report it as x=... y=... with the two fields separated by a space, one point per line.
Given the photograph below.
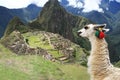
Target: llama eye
x=86 y=27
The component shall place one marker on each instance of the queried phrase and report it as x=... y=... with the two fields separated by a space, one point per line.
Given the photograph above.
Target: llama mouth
x=78 y=33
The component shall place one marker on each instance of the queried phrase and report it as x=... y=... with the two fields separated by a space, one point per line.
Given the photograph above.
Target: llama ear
x=101 y=25
x=105 y=30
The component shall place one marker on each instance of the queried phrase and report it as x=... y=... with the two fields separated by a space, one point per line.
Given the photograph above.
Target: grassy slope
x=35 y=41
x=33 y=67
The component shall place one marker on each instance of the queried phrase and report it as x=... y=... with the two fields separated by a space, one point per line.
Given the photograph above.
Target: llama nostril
x=79 y=33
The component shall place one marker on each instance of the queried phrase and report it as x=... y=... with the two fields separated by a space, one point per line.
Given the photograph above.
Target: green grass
x=12 y=74
x=75 y=72
x=36 y=41
x=33 y=67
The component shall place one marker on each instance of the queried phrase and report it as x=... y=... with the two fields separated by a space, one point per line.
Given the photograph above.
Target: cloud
x=39 y=2
x=75 y=3
x=118 y=1
x=115 y=0
x=90 y=5
x=14 y=3
x=111 y=0
x=87 y=5
x=21 y=3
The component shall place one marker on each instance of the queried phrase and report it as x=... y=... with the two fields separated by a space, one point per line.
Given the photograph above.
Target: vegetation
x=117 y=64
x=27 y=67
x=15 y=24
x=54 y=18
x=25 y=14
x=39 y=40
x=15 y=64
x=53 y=44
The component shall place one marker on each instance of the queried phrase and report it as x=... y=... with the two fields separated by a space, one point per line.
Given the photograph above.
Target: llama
x=99 y=66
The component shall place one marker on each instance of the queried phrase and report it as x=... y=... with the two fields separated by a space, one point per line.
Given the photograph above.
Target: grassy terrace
x=33 y=67
x=36 y=41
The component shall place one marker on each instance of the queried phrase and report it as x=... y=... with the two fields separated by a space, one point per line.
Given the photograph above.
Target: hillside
x=18 y=34
x=54 y=18
x=52 y=46
x=25 y=14
x=46 y=48
x=110 y=16
x=41 y=55
x=5 y=17
x=15 y=24
x=34 y=67
x=29 y=53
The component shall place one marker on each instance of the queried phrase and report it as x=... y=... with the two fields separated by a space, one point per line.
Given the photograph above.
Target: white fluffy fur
x=99 y=66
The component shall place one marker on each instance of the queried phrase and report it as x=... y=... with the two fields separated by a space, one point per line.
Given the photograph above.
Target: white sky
x=115 y=0
x=88 y=6
x=92 y=5
x=21 y=3
x=118 y=0
x=75 y=3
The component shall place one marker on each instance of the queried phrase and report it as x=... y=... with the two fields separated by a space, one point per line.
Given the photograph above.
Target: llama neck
x=99 y=58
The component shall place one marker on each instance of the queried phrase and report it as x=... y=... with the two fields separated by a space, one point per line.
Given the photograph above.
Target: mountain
x=42 y=54
x=1 y=30
x=114 y=7
x=25 y=14
x=110 y=9
x=97 y=17
x=23 y=47
x=51 y=46
x=54 y=18
x=5 y=16
x=110 y=16
x=49 y=22
x=15 y=24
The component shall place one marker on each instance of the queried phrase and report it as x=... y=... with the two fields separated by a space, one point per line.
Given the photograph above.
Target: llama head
x=93 y=30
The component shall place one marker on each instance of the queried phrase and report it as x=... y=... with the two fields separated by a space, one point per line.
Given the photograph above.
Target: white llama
x=99 y=66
